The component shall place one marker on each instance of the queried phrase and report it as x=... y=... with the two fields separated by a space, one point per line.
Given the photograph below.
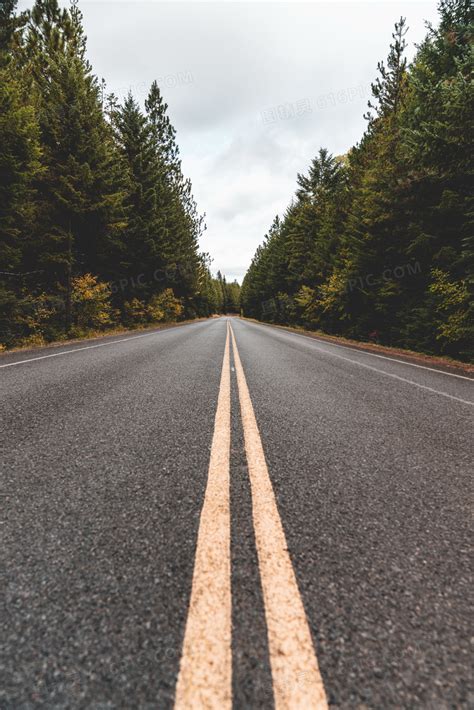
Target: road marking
x=367 y=352
x=205 y=675
x=90 y=347
x=296 y=678
x=397 y=377
x=390 y=374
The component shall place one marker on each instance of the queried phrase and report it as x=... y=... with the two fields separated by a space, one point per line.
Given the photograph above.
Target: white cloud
x=225 y=67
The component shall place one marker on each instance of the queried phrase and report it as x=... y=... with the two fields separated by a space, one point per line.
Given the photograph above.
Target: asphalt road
x=105 y=455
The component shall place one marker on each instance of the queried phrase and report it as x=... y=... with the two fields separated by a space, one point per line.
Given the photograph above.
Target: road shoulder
x=410 y=356
x=95 y=337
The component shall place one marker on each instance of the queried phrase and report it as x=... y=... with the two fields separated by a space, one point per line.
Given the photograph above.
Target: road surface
x=225 y=513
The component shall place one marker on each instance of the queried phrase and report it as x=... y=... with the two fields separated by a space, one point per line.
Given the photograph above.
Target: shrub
x=154 y=310
x=135 y=312
x=91 y=302
x=452 y=306
x=167 y=304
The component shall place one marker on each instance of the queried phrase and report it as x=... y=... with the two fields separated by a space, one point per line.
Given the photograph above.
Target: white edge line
x=403 y=379
x=90 y=347
x=366 y=352
x=390 y=374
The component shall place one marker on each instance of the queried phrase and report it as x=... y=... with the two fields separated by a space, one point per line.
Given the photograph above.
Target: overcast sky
x=254 y=90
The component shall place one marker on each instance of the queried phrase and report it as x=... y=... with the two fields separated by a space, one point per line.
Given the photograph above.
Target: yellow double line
x=205 y=675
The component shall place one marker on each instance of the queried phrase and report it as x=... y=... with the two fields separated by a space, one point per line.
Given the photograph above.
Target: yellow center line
x=297 y=682
x=205 y=675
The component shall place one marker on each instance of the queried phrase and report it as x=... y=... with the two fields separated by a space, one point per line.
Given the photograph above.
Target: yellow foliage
x=154 y=310
x=171 y=307
x=305 y=297
x=135 y=310
x=91 y=302
x=163 y=307
x=33 y=340
x=452 y=293
x=452 y=305
x=40 y=310
x=332 y=291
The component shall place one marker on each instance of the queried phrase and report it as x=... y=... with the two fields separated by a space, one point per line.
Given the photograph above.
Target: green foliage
x=227 y=296
x=87 y=187
x=380 y=241
x=453 y=312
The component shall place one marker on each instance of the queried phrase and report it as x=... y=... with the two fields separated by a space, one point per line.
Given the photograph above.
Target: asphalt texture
x=104 y=459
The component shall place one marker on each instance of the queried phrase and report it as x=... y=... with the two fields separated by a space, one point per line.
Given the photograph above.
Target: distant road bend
x=226 y=514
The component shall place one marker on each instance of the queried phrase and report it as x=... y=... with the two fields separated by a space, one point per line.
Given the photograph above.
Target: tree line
x=98 y=225
x=378 y=243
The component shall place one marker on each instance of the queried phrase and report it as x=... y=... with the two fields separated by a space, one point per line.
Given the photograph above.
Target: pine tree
x=163 y=132
x=79 y=205
x=178 y=222
x=141 y=255
x=91 y=191
x=19 y=164
x=387 y=90
x=437 y=145
x=401 y=200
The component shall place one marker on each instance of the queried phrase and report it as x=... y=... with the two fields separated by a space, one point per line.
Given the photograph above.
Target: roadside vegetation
x=98 y=225
x=378 y=244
